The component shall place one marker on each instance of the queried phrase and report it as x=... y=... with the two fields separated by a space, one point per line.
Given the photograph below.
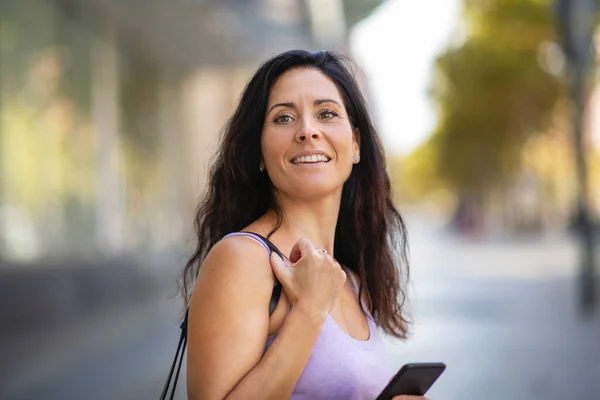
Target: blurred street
x=501 y=314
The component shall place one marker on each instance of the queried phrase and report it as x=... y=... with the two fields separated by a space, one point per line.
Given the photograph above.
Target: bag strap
x=277 y=286
x=178 y=359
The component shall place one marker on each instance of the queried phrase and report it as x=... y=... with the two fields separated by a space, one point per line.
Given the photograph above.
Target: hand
x=314 y=280
x=407 y=397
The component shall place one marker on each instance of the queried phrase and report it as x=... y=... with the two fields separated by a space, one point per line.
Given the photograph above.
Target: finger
x=330 y=260
x=302 y=247
x=280 y=269
x=325 y=257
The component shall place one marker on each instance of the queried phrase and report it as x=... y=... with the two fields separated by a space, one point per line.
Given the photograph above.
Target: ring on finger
x=323 y=251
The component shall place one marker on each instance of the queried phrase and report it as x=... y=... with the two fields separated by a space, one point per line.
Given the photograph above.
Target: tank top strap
x=350 y=274
x=252 y=236
x=354 y=283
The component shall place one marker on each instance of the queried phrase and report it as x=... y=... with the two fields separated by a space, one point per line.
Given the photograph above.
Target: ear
x=356 y=141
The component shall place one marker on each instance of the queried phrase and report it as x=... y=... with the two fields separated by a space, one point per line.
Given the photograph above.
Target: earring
x=356 y=159
x=261 y=167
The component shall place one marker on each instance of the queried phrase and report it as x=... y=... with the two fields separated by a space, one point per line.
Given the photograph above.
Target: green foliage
x=492 y=93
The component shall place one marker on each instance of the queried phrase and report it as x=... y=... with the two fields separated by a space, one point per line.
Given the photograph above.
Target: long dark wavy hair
x=370 y=236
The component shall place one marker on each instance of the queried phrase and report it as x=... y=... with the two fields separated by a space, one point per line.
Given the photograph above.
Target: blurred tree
x=493 y=94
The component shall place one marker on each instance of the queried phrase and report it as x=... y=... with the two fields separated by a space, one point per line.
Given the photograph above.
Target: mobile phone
x=414 y=379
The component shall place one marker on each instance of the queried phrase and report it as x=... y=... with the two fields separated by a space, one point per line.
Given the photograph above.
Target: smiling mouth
x=315 y=158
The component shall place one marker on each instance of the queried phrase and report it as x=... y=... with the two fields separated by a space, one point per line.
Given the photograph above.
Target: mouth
x=312 y=159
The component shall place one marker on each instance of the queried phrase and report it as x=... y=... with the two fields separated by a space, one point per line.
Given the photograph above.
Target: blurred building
x=111 y=109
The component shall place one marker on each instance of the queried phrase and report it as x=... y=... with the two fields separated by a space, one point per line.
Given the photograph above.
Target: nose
x=307 y=130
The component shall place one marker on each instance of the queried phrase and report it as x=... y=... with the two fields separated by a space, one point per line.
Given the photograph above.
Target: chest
x=349 y=314
x=341 y=366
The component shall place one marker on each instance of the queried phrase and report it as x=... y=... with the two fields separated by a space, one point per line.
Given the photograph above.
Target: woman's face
x=307 y=141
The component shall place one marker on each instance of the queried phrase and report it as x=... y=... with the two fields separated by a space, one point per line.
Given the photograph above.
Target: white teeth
x=310 y=159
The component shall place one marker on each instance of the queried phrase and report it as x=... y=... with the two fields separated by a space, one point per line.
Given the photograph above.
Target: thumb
x=280 y=269
x=303 y=246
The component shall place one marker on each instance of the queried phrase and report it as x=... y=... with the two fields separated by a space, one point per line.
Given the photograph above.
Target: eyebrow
x=292 y=105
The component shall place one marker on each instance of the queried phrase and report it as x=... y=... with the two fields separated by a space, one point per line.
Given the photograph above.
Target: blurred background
x=110 y=112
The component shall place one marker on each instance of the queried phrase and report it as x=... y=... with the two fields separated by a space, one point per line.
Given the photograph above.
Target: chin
x=313 y=189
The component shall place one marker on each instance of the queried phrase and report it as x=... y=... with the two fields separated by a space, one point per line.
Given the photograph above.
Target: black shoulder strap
x=277 y=286
x=269 y=243
x=178 y=359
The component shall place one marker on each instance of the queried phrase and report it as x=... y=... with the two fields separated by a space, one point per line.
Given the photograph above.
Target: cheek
x=343 y=144
x=272 y=146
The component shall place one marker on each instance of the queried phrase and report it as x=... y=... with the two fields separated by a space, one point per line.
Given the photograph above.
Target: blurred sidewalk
x=503 y=315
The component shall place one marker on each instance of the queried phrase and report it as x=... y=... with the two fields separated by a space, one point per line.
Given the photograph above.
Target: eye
x=283 y=119
x=327 y=114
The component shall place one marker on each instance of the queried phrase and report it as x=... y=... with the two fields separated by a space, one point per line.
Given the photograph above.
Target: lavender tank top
x=340 y=366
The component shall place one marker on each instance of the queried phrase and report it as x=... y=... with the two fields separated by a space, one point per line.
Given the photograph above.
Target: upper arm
x=228 y=317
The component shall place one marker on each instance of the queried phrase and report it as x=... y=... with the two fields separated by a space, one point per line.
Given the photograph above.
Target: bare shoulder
x=236 y=255
x=232 y=267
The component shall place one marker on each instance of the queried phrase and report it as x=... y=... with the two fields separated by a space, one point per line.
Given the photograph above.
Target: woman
x=301 y=164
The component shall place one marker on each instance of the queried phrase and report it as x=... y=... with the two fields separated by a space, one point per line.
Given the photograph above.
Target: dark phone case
x=413 y=379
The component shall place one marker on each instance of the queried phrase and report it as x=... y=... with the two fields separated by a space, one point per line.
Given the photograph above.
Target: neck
x=315 y=220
